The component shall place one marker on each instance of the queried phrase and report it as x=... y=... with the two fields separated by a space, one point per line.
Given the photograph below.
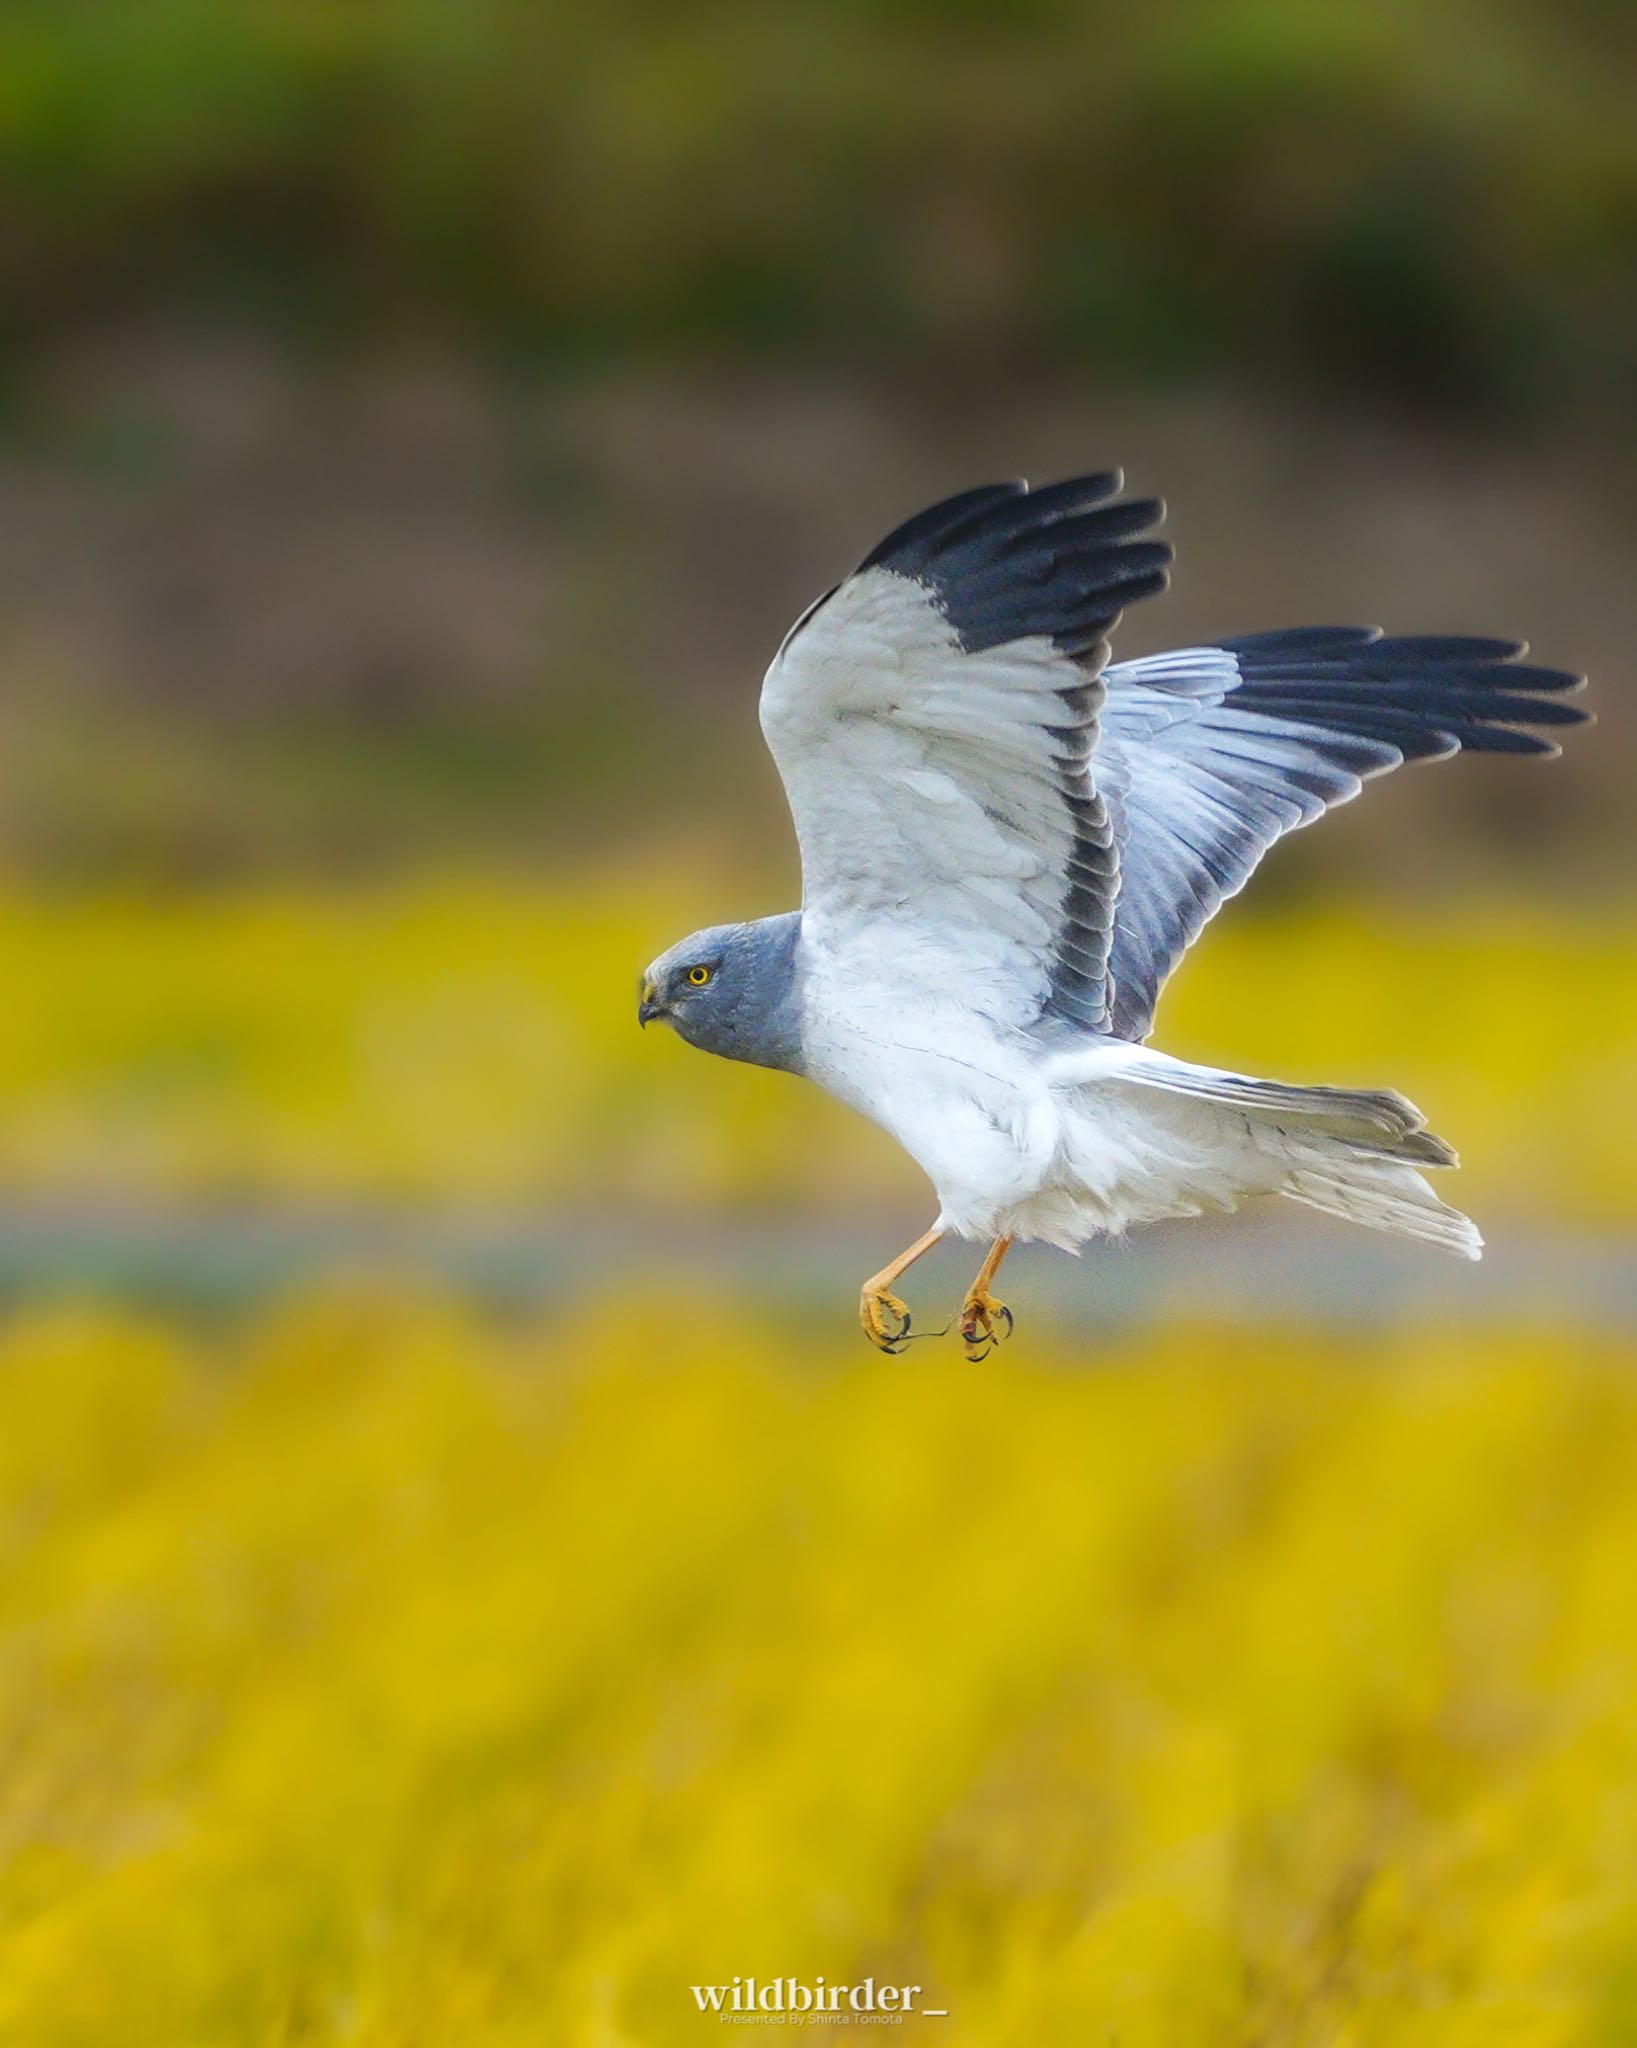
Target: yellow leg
x=884 y=1316
x=981 y=1313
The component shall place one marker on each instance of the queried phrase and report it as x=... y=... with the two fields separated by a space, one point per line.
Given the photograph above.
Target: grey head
x=732 y=989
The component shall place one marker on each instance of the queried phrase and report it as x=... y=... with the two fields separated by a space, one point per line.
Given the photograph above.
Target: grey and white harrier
x=1007 y=843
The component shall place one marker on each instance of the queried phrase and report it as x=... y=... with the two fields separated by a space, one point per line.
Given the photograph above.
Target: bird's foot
x=885 y=1319
x=984 y=1323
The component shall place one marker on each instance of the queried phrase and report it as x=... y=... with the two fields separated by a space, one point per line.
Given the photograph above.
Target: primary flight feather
x=1007 y=843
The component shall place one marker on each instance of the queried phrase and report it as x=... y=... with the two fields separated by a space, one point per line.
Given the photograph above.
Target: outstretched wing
x=933 y=717
x=1208 y=756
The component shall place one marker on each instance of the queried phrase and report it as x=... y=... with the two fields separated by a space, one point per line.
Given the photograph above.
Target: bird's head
x=698 y=985
x=728 y=990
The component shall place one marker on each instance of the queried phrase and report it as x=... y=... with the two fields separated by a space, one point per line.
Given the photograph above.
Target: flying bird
x=1007 y=844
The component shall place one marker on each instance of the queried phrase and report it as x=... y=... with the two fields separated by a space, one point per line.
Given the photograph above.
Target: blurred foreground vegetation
x=416 y=1682
x=474 y=1042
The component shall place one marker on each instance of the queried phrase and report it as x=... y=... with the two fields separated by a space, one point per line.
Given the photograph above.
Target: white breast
x=970 y=1107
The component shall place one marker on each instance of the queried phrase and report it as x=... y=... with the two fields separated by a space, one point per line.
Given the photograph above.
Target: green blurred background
x=418 y=426
x=421 y=422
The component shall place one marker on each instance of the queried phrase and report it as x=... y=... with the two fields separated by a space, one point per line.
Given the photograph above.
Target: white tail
x=1384 y=1194
x=1352 y=1152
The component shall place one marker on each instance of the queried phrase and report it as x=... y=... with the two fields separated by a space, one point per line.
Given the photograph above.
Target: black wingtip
x=1425 y=693
x=1005 y=562
x=920 y=534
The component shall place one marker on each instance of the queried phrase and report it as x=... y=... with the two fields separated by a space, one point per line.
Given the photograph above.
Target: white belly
x=972 y=1111
x=1016 y=1150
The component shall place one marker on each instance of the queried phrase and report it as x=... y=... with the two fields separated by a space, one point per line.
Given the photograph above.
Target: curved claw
x=984 y=1323
x=885 y=1321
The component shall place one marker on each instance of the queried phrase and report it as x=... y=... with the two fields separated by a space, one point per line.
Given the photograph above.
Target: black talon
x=1002 y=1310
x=890 y=1341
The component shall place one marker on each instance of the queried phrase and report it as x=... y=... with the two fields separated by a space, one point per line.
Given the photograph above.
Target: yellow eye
x=699 y=976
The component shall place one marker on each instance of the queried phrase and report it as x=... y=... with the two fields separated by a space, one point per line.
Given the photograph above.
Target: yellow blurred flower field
x=380 y=1672
x=376 y=1675
x=475 y=1041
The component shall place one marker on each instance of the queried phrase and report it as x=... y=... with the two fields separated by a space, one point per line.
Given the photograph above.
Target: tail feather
x=1352 y=1152
x=1378 y=1122
x=1384 y=1194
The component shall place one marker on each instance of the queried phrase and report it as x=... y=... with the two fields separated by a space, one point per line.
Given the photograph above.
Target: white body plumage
x=1100 y=1135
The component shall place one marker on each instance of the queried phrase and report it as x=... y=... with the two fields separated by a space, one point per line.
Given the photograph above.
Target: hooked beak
x=649 y=1006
